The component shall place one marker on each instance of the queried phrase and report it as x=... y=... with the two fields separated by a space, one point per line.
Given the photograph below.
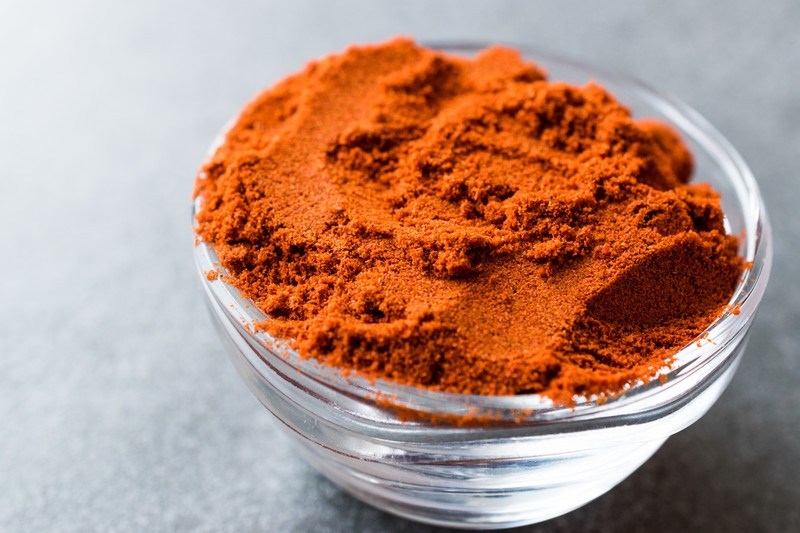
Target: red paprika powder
x=466 y=225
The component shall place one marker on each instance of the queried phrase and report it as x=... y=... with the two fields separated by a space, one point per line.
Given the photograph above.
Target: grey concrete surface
x=118 y=409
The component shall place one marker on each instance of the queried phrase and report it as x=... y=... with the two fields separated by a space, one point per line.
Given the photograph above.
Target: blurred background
x=118 y=408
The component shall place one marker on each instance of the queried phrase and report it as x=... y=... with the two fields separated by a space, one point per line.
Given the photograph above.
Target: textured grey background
x=118 y=409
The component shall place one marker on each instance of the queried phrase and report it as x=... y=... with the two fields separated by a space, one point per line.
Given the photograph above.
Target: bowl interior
x=716 y=162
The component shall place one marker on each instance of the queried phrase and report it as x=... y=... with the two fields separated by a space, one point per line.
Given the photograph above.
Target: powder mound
x=466 y=225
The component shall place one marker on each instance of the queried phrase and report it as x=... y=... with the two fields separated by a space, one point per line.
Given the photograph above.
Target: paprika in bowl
x=508 y=451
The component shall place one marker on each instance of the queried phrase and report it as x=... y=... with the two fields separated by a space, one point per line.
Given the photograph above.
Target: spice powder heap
x=465 y=225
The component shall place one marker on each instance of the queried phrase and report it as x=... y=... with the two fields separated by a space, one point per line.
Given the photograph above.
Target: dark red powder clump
x=466 y=225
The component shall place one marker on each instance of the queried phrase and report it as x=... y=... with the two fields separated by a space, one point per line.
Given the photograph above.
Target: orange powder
x=465 y=225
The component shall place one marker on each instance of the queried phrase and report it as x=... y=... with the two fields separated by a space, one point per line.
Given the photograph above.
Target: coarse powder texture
x=465 y=225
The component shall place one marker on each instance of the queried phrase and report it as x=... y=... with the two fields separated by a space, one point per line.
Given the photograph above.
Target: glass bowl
x=527 y=460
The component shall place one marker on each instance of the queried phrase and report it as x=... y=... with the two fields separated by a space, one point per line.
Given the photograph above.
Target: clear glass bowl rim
x=691 y=359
